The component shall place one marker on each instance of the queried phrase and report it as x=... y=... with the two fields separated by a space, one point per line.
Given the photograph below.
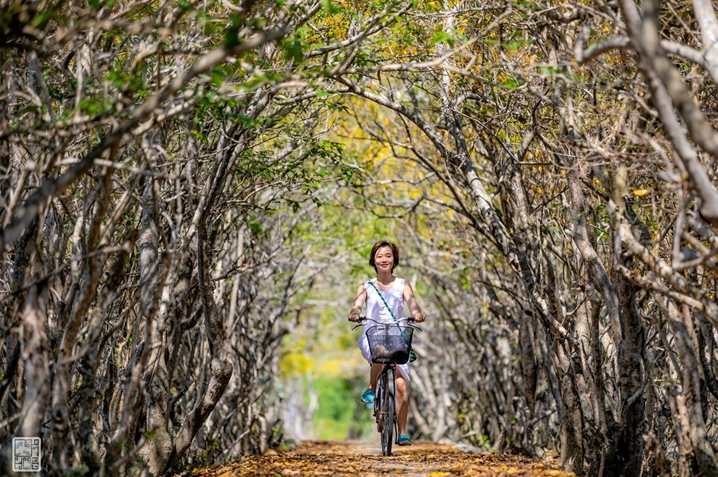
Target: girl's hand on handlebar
x=419 y=318
x=354 y=317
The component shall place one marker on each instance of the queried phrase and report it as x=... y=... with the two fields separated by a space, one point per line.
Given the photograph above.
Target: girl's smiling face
x=384 y=259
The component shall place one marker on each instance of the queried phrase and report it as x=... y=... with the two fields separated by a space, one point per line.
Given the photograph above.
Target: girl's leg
x=402 y=403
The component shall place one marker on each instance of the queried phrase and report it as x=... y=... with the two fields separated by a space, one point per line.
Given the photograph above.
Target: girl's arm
x=358 y=304
x=412 y=304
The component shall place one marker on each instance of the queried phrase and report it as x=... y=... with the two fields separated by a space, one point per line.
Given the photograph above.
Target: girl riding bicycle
x=386 y=290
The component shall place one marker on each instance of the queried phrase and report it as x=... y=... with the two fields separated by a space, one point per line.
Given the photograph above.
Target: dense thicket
x=549 y=169
x=153 y=176
x=577 y=142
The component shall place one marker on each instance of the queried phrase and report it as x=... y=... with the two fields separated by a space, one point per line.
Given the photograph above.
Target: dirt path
x=352 y=458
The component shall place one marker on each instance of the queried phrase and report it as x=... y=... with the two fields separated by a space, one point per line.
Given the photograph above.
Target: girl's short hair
x=380 y=244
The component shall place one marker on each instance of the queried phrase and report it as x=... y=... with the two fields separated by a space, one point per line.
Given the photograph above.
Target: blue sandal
x=404 y=440
x=368 y=396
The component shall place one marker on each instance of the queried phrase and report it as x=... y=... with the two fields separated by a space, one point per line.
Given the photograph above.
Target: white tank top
x=394 y=297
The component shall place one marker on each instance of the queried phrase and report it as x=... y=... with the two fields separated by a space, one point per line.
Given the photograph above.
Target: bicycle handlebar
x=408 y=319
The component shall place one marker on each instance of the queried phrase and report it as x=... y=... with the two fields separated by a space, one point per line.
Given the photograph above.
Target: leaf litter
x=356 y=458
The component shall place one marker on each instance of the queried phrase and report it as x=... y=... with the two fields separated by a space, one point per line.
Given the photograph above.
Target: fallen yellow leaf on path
x=364 y=459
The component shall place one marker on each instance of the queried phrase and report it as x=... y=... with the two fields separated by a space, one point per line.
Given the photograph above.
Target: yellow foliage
x=640 y=192
x=332 y=367
x=295 y=364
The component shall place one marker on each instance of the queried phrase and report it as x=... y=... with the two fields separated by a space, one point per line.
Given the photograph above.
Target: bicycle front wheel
x=388 y=411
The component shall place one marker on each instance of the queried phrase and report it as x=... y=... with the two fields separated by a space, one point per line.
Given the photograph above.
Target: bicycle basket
x=389 y=343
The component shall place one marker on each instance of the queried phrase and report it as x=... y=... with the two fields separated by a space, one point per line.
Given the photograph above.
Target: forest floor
x=354 y=458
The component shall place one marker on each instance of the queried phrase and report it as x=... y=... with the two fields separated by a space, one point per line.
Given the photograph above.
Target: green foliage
x=511 y=83
x=547 y=70
x=42 y=18
x=465 y=278
x=81 y=469
x=330 y=7
x=338 y=402
x=96 y=106
x=206 y=455
x=442 y=37
x=293 y=50
x=231 y=35
x=528 y=5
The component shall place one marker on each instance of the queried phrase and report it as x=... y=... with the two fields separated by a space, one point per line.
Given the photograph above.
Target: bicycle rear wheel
x=388 y=411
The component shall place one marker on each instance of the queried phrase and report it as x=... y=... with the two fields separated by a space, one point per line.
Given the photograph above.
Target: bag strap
x=382 y=299
x=403 y=333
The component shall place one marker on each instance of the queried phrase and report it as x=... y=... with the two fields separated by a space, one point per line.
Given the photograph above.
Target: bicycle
x=389 y=345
